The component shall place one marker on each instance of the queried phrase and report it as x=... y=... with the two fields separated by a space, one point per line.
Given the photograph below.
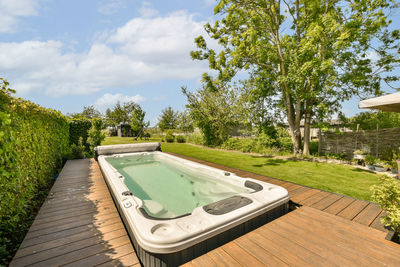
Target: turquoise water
x=167 y=189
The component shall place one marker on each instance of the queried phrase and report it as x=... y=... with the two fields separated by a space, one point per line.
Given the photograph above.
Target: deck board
x=332 y=241
x=78 y=224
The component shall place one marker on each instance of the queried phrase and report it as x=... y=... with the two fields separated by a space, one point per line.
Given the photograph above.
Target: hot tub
x=175 y=209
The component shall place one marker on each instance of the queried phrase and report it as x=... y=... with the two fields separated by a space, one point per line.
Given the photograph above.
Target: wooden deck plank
x=66 y=239
x=368 y=215
x=370 y=252
x=339 y=205
x=240 y=255
x=377 y=224
x=315 y=198
x=127 y=260
x=258 y=252
x=206 y=260
x=104 y=257
x=351 y=211
x=286 y=242
x=221 y=258
x=304 y=195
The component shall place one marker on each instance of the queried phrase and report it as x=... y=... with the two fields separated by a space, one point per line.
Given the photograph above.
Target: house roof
x=387 y=103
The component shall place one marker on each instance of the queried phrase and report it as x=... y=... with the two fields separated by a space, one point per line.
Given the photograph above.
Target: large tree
x=309 y=55
x=137 y=122
x=169 y=119
x=121 y=113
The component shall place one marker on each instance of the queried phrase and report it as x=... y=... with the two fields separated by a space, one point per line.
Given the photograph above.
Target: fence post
x=377 y=139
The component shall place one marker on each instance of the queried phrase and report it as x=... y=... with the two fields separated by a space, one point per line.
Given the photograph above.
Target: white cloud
x=143 y=50
x=109 y=7
x=109 y=100
x=12 y=10
x=147 y=11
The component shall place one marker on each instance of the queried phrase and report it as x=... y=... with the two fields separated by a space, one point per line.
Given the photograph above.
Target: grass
x=346 y=180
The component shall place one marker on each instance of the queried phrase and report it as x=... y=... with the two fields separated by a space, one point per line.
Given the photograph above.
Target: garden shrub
x=195 y=138
x=78 y=150
x=95 y=135
x=180 y=139
x=33 y=141
x=387 y=194
x=169 y=137
x=80 y=128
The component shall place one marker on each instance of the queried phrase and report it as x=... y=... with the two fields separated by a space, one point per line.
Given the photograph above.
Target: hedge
x=33 y=141
x=79 y=128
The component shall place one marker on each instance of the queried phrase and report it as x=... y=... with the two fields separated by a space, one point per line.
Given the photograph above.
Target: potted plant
x=370 y=161
x=359 y=154
x=381 y=166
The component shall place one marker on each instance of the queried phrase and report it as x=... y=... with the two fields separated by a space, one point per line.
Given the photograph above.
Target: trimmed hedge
x=80 y=128
x=33 y=141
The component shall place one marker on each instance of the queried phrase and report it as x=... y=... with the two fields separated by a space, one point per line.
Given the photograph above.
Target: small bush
x=95 y=135
x=314 y=147
x=338 y=156
x=387 y=194
x=78 y=150
x=169 y=137
x=79 y=128
x=370 y=160
x=195 y=138
x=180 y=139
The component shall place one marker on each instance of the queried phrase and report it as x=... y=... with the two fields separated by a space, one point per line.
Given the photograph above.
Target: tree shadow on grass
x=361 y=170
x=271 y=162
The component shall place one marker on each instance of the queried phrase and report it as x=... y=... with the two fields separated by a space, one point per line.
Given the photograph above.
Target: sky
x=67 y=54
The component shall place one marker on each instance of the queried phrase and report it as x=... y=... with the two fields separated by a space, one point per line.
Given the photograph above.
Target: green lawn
x=340 y=179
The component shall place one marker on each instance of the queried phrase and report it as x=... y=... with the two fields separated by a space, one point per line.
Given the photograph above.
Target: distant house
x=124 y=130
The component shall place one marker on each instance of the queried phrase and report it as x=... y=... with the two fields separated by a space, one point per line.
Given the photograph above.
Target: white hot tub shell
x=173 y=241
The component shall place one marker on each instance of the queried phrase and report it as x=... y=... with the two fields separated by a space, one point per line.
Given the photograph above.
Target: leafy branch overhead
x=311 y=55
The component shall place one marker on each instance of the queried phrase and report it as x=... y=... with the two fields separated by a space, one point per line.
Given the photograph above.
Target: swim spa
x=175 y=209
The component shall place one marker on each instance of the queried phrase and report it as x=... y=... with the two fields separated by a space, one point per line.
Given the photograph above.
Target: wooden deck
x=78 y=225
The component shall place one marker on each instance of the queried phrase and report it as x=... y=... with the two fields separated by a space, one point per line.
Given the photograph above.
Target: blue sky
x=67 y=54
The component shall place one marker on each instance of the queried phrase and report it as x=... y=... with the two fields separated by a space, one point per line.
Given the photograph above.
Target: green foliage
x=305 y=57
x=33 y=141
x=370 y=160
x=169 y=137
x=185 y=122
x=169 y=119
x=369 y=120
x=180 y=139
x=195 y=138
x=89 y=112
x=338 y=156
x=120 y=113
x=262 y=143
x=387 y=194
x=214 y=112
x=95 y=135
x=78 y=150
x=80 y=128
x=314 y=147
x=137 y=121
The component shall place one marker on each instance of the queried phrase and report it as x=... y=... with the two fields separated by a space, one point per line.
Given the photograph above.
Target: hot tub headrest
x=126 y=148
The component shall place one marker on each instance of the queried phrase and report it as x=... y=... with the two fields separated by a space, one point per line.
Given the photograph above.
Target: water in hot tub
x=169 y=189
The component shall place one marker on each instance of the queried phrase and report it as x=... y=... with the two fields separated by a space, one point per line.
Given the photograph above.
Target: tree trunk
x=295 y=134
x=307 y=135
